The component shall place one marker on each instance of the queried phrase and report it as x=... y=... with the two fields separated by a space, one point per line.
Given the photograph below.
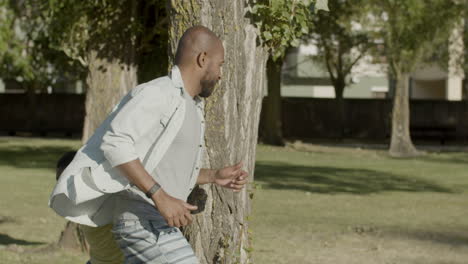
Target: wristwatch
x=152 y=190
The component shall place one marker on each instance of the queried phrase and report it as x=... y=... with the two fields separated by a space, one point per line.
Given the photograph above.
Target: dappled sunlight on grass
x=355 y=206
x=311 y=205
x=28 y=227
x=278 y=175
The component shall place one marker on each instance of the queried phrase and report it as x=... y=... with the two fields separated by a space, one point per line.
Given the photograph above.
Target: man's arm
x=206 y=176
x=137 y=174
x=231 y=177
x=133 y=120
x=175 y=211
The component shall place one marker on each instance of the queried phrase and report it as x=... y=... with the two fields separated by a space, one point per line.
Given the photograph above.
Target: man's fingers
x=236 y=186
x=190 y=207
x=170 y=221
x=176 y=222
x=189 y=218
x=240 y=175
x=244 y=174
x=241 y=182
x=238 y=166
x=183 y=220
x=238 y=182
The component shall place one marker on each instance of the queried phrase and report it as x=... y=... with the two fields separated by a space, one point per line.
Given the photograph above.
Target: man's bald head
x=200 y=56
x=194 y=41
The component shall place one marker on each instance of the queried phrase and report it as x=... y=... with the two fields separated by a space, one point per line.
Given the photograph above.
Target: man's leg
x=149 y=241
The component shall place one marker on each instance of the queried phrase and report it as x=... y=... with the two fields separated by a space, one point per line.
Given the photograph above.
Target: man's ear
x=201 y=59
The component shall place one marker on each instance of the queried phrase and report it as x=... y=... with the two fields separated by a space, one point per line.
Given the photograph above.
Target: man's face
x=212 y=73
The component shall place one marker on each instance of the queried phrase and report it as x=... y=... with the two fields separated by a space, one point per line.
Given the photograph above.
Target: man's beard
x=207 y=87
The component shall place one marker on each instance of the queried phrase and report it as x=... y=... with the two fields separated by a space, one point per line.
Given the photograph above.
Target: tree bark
x=73 y=238
x=220 y=233
x=108 y=81
x=400 y=142
x=272 y=115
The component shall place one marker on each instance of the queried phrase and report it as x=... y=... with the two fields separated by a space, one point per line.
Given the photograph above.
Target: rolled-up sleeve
x=134 y=119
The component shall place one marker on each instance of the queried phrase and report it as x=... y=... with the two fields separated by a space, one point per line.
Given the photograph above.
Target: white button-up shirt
x=142 y=126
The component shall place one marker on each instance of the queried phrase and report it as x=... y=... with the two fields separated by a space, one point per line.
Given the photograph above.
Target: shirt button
x=196 y=168
x=200 y=146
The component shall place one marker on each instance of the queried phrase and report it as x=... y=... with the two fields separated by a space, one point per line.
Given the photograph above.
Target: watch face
x=153 y=189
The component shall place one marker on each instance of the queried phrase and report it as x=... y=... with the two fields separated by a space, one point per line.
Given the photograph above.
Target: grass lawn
x=313 y=205
x=338 y=205
x=27 y=225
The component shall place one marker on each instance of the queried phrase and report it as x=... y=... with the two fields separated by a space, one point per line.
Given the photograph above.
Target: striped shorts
x=150 y=241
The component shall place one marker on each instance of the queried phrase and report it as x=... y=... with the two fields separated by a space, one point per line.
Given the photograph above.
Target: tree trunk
x=272 y=115
x=400 y=142
x=112 y=72
x=220 y=233
x=339 y=86
x=108 y=81
x=72 y=237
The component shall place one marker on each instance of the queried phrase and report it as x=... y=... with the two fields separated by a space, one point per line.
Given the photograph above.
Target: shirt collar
x=176 y=78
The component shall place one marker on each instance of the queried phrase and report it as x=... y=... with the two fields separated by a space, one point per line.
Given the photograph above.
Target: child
x=102 y=247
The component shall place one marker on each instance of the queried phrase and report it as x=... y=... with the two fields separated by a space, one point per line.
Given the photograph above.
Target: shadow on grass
x=31 y=157
x=448 y=238
x=8 y=240
x=6 y=219
x=458 y=158
x=440 y=237
x=338 y=180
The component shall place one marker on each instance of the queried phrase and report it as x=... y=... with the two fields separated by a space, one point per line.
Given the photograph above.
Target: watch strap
x=152 y=190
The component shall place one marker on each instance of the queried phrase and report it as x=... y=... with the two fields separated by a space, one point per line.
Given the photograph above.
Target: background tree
x=281 y=24
x=110 y=39
x=105 y=35
x=220 y=233
x=26 y=59
x=408 y=29
x=343 y=37
x=451 y=54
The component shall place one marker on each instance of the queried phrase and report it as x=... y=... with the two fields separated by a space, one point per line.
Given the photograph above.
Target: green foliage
x=25 y=52
x=77 y=26
x=41 y=42
x=282 y=23
x=410 y=28
x=343 y=36
x=114 y=28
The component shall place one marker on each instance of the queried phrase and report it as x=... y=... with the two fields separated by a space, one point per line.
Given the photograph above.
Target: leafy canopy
x=282 y=23
x=343 y=36
x=410 y=29
x=26 y=54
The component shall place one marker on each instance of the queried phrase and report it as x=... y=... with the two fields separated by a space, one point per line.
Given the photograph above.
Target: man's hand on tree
x=231 y=177
x=175 y=211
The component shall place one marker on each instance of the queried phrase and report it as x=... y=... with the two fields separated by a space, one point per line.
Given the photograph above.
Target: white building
x=303 y=77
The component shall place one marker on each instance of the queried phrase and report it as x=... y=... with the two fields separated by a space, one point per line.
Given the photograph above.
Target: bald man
x=141 y=164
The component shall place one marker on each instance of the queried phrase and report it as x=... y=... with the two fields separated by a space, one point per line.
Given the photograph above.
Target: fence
x=42 y=114
x=305 y=118
x=370 y=119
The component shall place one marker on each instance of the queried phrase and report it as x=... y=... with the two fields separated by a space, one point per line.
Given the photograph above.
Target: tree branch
x=351 y=65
